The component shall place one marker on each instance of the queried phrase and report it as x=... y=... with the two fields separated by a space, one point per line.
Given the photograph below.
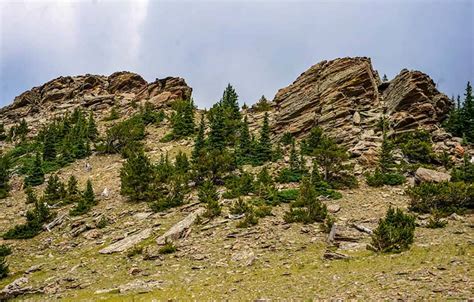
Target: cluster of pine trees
x=461 y=119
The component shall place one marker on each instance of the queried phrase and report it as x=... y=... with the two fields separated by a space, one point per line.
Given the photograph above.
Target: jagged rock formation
x=346 y=98
x=92 y=92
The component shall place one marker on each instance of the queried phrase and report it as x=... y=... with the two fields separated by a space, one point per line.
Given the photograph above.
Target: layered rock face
x=346 y=98
x=412 y=101
x=93 y=92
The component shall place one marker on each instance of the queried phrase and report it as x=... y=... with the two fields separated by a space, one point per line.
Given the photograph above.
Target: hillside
x=115 y=250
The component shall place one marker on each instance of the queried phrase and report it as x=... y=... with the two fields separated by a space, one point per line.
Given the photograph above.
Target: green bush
x=3 y=268
x=287 y=139
x=33 y=226
x=394 y=233
x=307 y=208
x=168 y=248
x=446 y=197
x=416 y=146
x=463 y=173
x=287 y=175
x=5 y=250
x=249 y=220
x=435 y=221
x=239 y=207
x=239 y=185
x=378 y=178
x=288 y=195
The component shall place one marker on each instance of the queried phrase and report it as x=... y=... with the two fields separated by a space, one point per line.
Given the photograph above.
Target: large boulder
x=428 y=175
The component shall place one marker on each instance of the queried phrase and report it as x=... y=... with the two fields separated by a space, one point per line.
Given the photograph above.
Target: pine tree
x=245 y=147
x=49 y=146
x=294 y=159
x=264 y=144
x=183 y=118
x=468 y=113
x=88 y=195
x=208 y=194
x=217 y=138
x=36 y=175
x=30 y=196
x=307 y=208
x=4 y=176
x=21 y=130
x=92 y=132
x=80 y=148
x=3 y=134
x=53 y=189
x=181 y=164
x=230 y=101
x=231 y=110
x=199 y=143
x=72 y=193
x=384 y=78
x=66 y=156
x=3 y=268
x=137 y=177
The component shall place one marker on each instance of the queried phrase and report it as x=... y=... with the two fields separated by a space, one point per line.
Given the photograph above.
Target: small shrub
x=446 y=197
x=378 y=179
x=288 y=195
x=394 y=233
x=250 y=219
x=33 y=226
x=239 y=207
x=103 y=222
x=167 y=138
x=240 y=185
x=136 y=250
x=435 y=221
x=287 y=139
x=287 y=175
x=464 y=173
x=5 y=250
x=328 y=223
x=168 y=248
x=416 y=146
x=3 y=268
x=307 y=208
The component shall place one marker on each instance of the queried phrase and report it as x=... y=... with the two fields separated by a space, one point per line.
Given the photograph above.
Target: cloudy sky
x=258 y=46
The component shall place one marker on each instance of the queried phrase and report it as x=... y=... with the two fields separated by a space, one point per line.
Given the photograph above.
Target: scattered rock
x=127 y=242
x=180 y=229
x=334 y=208
x=245 y=257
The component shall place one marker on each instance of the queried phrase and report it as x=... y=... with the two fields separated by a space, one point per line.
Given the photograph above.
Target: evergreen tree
x=80 y=148
x=49 y=146
x=183 y=118
x=3 y=134
x=217 y=138
x=231 y=110
x=181 y=164
x=264 y=144
x=307 y=208
x=88 y=195
x=92 y=132
x=230 y=101
x=137 y=177
x=30 y=196
x=21 y=130
x=208 y=194
x=295 y=163
x=3 y=268
x=330 y=157
x=384 y=78
x=53 y=192
x=199 y=143
x=36 y=175
x=66 y=156
x=245 y=147
x=4 y=176
x=72 y=192
x=468 y=113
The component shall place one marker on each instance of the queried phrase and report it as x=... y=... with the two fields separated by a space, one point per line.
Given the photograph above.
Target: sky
x=257 y=46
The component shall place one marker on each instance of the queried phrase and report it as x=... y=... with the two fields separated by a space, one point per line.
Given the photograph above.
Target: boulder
x=127 y=242
x=428 y=175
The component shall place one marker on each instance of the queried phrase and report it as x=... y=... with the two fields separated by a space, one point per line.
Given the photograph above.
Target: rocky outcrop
x=428 y=175
x=412 y=101
x=93 y=92
x=340 y=96
x=346 y=98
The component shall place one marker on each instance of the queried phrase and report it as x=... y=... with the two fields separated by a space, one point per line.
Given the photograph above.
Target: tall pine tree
x=265 y=144
x=92 y=132
x=137 y=177
x=200 y=142
x=36 y=175
x=217 y=138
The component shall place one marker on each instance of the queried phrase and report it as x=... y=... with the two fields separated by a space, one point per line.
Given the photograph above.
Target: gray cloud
x=258 y=46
